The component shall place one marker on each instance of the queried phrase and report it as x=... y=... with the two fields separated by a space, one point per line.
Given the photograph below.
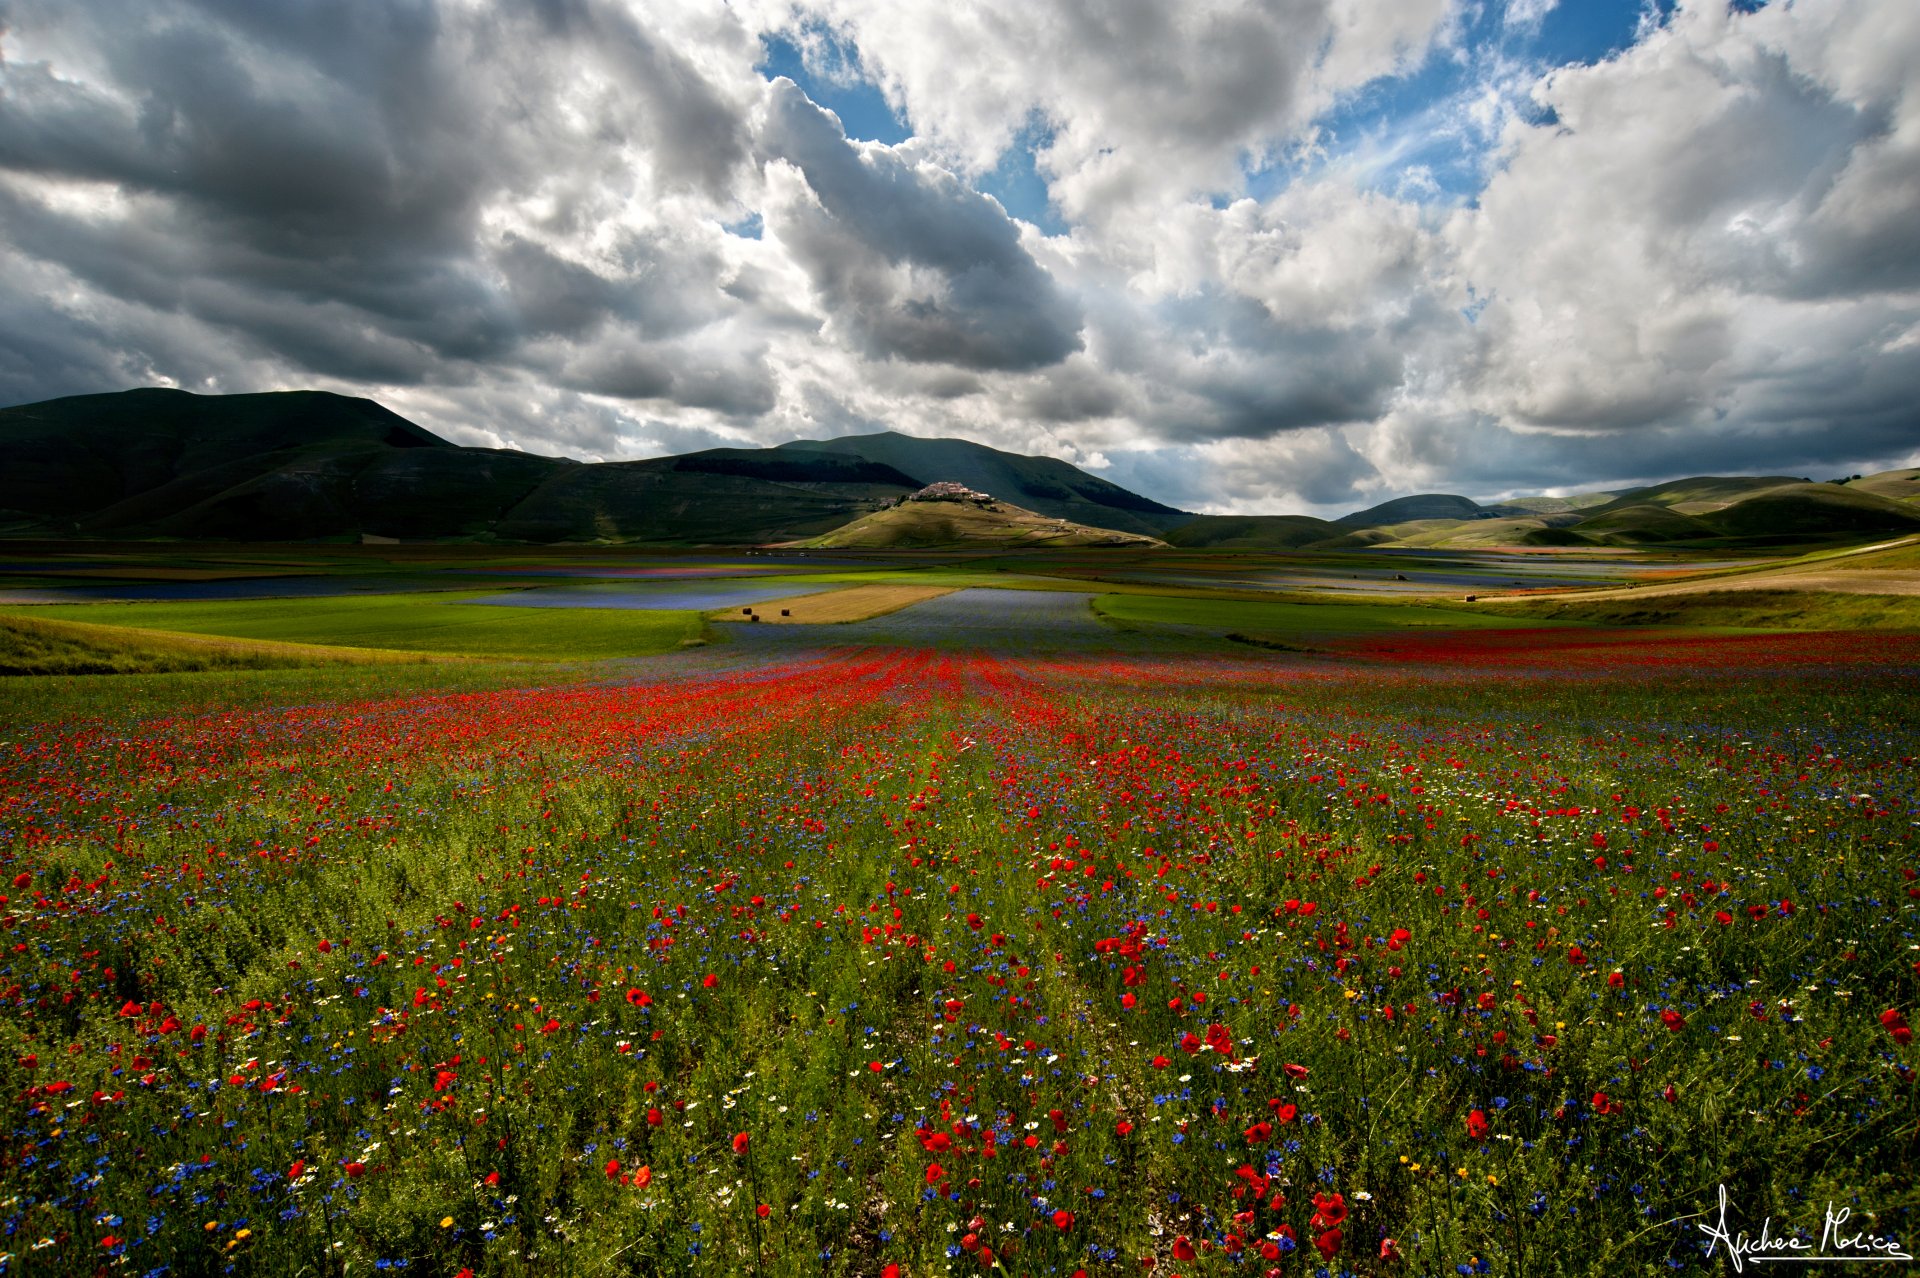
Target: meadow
x=1433 y=951
x=446 y=622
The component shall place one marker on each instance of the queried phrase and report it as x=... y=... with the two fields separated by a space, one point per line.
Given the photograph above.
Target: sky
x=1255 y=257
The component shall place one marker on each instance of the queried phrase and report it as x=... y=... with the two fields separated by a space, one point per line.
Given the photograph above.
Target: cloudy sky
x=1240 y=255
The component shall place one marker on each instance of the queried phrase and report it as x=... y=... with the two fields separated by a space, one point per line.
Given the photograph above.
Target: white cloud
x=1703 y=253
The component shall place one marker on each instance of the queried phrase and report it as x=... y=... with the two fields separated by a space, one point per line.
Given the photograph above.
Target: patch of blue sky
x=1430 y=133
x=1017 y=184
x=828 y=70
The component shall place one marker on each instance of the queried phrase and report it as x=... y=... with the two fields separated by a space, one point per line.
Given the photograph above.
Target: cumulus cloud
x=1144 y=102
x=599 y=228
x=911 y=262
x=1733 y=191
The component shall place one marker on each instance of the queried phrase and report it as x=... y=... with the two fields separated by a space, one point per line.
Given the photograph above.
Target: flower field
x=1451 y=953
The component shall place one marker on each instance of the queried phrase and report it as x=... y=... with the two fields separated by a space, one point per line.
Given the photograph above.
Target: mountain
x=303 y=465
x=1403 y=510
x=1251 y=532
x=1697 y=495
x=1901 y=485
x=1797 y=510
x=1042 y=484
x=299 y=465
x=1701 y=513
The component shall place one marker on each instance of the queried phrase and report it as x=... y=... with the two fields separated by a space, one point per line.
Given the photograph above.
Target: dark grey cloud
x=314 y=185
x=1263 y=376
x=916 y=264
x=512 y=222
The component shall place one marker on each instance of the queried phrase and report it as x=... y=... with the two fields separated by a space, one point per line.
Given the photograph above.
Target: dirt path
x=857 y=603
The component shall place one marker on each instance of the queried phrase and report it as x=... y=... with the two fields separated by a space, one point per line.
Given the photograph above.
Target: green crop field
x=1257 y=617
x=1145 y=926
x=437 y=623
x=1497 y=956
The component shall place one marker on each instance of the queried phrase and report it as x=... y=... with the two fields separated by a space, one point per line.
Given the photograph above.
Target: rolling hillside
x=307 y=465
x=1043 y=484
x=992 y=525
x=1712 y=512
x=1251 y=532
x=303 y=465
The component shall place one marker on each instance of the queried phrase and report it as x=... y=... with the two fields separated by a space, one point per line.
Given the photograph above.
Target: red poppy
x=1182 y=1248
x=643 y=1177
x=740 y=1142
x=1259 y=1133
x=1896 y=1025
x=708 y=981
x=1477 y=1127
x=1673 y=1021
x=1329 y=1210
x=1063 y=1219
x=612 y=1168
x=355 y=1170
x=1328 y=1244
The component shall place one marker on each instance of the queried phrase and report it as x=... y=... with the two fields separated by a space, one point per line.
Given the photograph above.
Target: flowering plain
x=1435 y=953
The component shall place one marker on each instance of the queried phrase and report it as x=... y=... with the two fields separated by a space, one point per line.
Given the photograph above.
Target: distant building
x=947 y=490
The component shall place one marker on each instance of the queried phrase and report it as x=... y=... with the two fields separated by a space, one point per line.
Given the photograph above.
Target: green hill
x=1251 y=532
x=1697 y=495
x=1045 y=485
x=1900 y=485
x=1642 y=524
x=1804 y=510
x=1421 y=506
x=997 y=525
x=1554 y=505
x=302 y=465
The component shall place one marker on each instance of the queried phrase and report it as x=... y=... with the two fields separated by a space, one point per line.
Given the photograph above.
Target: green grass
x=1388 y=885
x=82 y=697
x=1727 y=609
x=1257 y=618
x=43 y=646
x=436 y=623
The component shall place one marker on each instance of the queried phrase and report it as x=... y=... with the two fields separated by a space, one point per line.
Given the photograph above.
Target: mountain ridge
x=307 y=464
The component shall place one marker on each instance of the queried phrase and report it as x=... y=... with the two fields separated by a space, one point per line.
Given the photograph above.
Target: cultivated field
x=854 y=603
x=1024 y=931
